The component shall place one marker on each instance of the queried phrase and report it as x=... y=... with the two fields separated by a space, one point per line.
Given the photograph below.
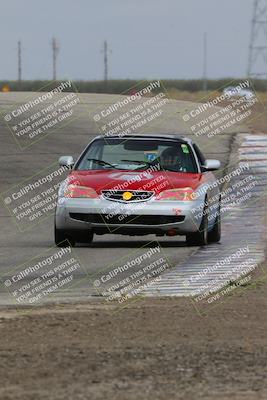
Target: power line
x=257 y=58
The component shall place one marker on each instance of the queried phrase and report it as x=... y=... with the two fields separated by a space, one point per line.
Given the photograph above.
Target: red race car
x=138 y=185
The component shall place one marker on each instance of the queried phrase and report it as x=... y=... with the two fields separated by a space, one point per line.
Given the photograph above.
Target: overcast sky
x=148 y=38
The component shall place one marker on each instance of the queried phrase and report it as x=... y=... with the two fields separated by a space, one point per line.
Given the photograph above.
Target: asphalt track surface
x=17 y=164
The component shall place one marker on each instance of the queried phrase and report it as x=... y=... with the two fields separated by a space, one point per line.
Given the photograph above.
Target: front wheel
x=214 y=236
x=63 y=238
x=83 y=237
x=199 y=238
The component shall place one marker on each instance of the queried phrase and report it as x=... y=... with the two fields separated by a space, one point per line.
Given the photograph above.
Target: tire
x=63 y=238
x=199 y=238
x=214 y=236
x=83 y=237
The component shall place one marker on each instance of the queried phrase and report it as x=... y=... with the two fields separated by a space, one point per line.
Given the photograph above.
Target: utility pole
x=55 y=51
x=257 y=58
x=105 y=62
x=205 y=62
x=19 y=61
x=106 y=51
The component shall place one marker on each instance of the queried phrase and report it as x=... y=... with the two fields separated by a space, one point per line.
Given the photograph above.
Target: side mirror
x=211 y=165
x=66 y=161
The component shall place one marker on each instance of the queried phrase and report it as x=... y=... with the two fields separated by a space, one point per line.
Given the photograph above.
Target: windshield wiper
x=101 y=162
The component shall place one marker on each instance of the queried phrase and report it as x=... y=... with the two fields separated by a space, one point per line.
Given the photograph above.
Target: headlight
x=184 y=194
x=75 y=191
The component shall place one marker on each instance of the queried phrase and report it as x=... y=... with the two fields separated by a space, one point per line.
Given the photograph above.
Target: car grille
x=128 y=219
x=117 y=195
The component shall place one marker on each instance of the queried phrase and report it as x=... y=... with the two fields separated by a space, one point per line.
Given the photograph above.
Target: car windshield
x=138 y=154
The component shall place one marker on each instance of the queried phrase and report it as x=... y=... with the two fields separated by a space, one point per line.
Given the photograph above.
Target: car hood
x=156 y=181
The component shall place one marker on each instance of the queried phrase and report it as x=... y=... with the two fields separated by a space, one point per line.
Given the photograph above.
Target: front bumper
x=104 y=216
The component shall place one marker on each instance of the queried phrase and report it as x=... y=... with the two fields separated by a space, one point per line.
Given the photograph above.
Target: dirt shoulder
x=154 y=349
